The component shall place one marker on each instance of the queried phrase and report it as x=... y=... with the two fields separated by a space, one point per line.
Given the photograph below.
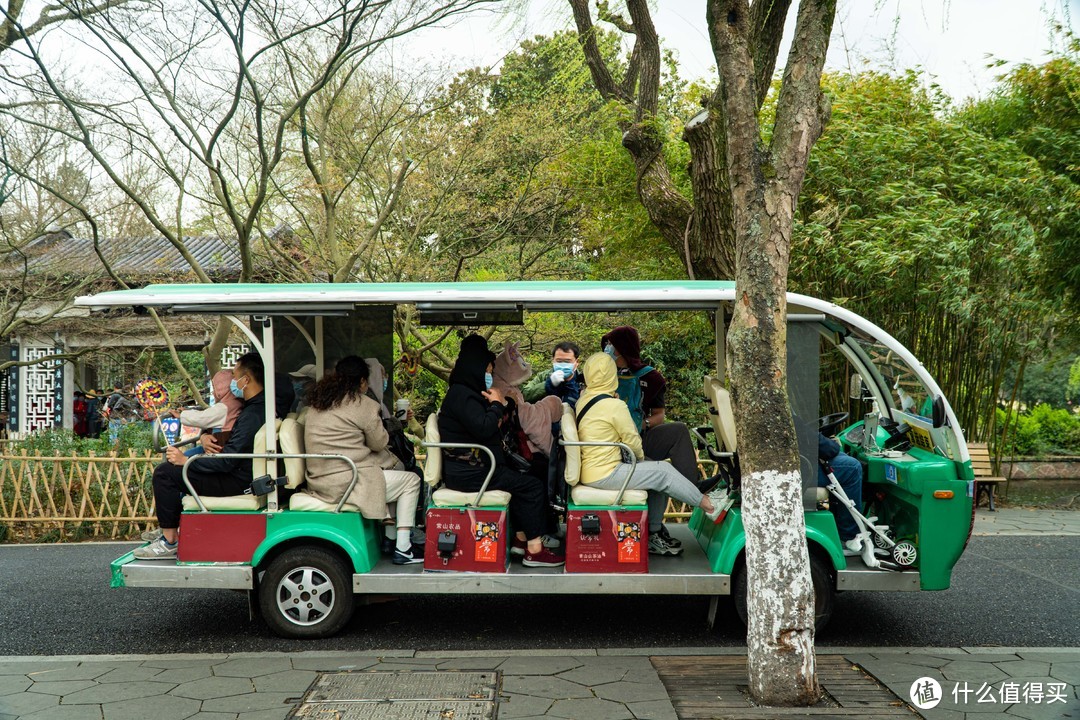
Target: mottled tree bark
x=765 y=184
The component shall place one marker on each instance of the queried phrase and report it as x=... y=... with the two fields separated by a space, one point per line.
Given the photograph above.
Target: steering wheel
x=829 y=424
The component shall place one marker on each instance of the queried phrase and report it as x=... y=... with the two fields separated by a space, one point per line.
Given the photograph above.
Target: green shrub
x=1042 y=431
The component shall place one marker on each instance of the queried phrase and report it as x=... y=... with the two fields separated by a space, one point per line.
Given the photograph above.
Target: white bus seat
x=305 y=502
x=231 y=503
x=580 y=493
x=263 y=467
x=433 y=462
x=291 y=440
x=445 y=497
x=721 y=413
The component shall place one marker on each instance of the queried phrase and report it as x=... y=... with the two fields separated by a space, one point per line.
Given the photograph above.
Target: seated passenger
x=219 y=418
x=564 y=381
x=531 y=423
x=343 y=420
x=213 y=477
x=849 y=474
x=643 y=389
x=473 y=412
x=601 y=417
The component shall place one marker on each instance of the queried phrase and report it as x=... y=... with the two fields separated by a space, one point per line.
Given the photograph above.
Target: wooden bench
x=983 y=468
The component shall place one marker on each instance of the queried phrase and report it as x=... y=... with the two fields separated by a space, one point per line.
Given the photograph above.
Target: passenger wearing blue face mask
x=302 y=381
x=472 y=412
x=215 y=476
x=565 y=381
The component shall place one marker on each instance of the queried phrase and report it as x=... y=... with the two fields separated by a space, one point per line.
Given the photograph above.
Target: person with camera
x=213 y=476
x=343 y=419
x=474 y=412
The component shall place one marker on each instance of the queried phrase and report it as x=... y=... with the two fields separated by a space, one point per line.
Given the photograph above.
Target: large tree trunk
x=740 y=225
x=780 y=600
x=765 y=186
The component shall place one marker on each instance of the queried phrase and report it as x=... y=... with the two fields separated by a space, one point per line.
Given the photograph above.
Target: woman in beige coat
x=342 y=419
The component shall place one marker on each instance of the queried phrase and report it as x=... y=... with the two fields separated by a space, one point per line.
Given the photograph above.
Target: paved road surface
x=55 y=600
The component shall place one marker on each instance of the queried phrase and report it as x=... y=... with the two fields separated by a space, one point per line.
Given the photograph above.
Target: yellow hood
x=601 y=377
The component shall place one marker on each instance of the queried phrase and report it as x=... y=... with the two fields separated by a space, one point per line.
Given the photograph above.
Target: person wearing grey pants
x=661 y=480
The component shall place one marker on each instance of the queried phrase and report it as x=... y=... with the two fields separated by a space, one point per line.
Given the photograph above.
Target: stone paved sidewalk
x=1024 y=521
x=605 y=684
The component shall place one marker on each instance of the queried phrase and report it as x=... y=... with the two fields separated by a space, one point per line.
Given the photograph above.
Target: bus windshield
x=902 y=383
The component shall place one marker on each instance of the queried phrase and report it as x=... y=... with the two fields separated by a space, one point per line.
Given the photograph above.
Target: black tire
x=824 y=592
x=286 y=597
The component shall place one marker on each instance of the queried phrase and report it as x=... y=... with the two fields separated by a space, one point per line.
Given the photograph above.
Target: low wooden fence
x=50 y=499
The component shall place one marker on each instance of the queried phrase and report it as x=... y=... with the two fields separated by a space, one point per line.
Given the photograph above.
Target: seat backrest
x=721 y=413
x=291 y=440
x=261 y=467
x=568 y=431
x=433 y=463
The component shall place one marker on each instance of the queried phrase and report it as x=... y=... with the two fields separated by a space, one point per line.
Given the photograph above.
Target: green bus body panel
x=724 y=543
x=938 y=527
x=117 y=566
x=348 y=530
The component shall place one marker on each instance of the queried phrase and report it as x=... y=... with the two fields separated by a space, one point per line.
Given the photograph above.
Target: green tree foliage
x=1038 y=108
x=933 y=230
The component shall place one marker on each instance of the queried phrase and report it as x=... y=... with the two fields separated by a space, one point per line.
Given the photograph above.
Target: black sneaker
x=658 y=546
x=670 y=541
x=407 y=558
x=387 y=546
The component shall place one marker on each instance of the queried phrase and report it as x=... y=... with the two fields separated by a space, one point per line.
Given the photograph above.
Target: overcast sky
x=950 y=39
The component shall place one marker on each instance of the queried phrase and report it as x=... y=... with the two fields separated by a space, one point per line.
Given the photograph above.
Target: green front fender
x=347 y=530
x=724 y=543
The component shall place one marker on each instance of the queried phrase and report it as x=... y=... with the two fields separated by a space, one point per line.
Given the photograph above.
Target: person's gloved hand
x=556 y=378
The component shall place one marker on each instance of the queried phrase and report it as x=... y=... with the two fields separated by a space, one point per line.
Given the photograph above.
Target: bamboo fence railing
x=59 y=498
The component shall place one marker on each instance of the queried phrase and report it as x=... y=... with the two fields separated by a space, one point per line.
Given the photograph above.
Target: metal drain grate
x=441 y=694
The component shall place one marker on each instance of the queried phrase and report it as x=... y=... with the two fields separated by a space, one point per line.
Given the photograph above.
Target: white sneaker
x=719 y=499
x=551 y=542
x=157 y=550
x=151 y=535
x=853 y=547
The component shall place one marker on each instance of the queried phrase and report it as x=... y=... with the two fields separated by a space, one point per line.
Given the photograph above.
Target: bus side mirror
x=938 y=412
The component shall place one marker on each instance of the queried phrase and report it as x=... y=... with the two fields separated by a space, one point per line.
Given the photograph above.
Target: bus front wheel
x=820 y=577
x=306 y=592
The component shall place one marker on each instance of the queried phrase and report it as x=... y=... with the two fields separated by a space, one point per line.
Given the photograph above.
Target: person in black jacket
x=210 y=476
x=472 y=412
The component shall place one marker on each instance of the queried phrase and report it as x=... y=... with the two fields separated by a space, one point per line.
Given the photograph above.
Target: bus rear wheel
x=306 y=592
x=820 y=577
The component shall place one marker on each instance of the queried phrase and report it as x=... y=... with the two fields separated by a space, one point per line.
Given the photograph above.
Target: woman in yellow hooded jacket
x=608 y=419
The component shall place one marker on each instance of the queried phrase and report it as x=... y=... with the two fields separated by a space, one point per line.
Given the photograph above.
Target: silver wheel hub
x=305 y=596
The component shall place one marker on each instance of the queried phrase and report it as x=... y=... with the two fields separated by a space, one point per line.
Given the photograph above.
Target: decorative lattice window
x=38 y=389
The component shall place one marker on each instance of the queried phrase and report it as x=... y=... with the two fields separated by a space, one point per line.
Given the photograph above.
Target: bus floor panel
x=686 y=574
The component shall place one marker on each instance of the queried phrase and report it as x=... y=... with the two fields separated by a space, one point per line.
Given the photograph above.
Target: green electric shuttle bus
x=303 y=560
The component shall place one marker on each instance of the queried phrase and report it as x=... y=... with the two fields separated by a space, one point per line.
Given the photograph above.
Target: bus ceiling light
x=943 y=494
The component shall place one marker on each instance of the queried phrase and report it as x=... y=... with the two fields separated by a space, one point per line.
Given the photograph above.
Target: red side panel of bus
x=480 y=540
x=621 y=546
x=220 y=537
